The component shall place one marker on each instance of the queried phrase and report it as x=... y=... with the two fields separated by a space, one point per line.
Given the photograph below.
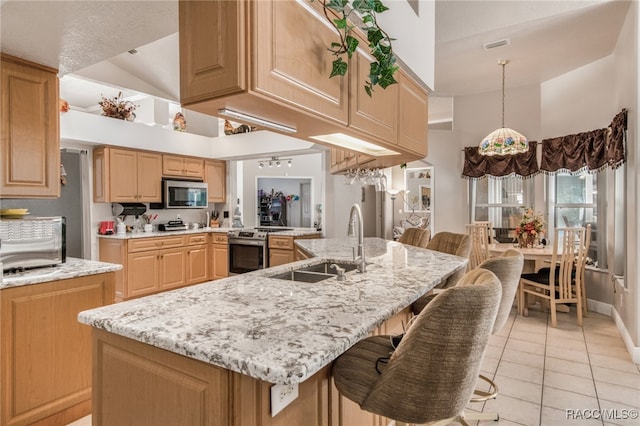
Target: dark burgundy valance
x=575 y=153
x=615 y=144
x=477 y=166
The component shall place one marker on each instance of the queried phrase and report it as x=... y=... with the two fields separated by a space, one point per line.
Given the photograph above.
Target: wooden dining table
x=534 y=257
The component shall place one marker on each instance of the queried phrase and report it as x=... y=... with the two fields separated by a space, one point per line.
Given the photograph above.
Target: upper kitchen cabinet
x=175 y=165
x=123 y=175
x=30 y=130
x=215 y=175
x=268 y=60
x=413 y=115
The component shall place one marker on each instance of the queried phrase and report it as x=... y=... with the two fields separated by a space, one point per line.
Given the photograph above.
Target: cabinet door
x=123 y=175
x=413 y=115
x=194 y=168
x=149 y=177
x=172 y=165
x=280 y=257
x=376 y=115
x=171 y=267
x=30 y=147
x=196 y=258
x=283 y=69
x=216 y=178
x=219 y=261
x=142 y=274
x=100 y=175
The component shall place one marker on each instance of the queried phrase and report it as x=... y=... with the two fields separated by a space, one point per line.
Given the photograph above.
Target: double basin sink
x=315 y=273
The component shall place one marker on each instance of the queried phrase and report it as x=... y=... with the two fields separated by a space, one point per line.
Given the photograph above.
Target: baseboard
x=609 y=310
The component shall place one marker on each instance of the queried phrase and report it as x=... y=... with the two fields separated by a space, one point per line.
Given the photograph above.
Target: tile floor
x=543 y=371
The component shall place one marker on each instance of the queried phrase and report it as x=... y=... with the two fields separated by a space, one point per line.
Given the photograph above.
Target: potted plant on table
x=530 y=228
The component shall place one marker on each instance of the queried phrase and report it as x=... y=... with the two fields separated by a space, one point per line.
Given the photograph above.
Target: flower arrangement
x=116 y=107
x=530 y=227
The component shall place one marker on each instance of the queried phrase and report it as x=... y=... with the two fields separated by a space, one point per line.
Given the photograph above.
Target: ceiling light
x=277 y=163
x=261 y=164
x=289 y=163
x=270 y=163
x=256 y=120
x=503 y=141
x=354 y=144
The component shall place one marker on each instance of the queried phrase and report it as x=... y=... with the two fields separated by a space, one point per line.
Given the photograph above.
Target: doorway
x=294 y=200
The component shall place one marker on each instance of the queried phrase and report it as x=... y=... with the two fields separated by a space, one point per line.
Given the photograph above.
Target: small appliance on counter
x=106 y=227
x=32 y=243
x=173 y=225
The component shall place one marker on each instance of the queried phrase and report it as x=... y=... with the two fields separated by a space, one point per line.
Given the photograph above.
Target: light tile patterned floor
x=543 y=371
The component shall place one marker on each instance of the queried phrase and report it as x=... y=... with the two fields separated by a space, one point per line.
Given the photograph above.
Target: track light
x=289 y=163
x=278 y=162
x=261 y=164
x=270 y=163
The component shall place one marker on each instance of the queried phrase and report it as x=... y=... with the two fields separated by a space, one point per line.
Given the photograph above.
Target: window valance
x=477 y=166
x=588 y=151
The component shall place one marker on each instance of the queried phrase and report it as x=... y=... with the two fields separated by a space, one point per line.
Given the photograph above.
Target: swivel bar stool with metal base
x=432 y=373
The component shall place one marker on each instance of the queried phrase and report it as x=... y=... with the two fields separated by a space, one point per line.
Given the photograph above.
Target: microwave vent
x=26 y=230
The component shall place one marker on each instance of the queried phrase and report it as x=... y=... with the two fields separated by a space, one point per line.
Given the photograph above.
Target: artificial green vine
x=384 y=66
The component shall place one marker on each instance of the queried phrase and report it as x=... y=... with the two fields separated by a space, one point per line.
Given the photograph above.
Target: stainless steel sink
x=326 y=267
x=315 y=273
x=303 y=276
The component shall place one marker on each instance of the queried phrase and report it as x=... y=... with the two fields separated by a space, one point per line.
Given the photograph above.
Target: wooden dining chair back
x=479 y=235
x=416 y=237
x=583 y=291
x=490 y=231
x=562 y=282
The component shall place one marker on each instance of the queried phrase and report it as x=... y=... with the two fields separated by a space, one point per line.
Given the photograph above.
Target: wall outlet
x=225 y=214
x=281 y=396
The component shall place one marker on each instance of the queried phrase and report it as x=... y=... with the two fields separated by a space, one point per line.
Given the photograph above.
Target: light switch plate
x=281 y=396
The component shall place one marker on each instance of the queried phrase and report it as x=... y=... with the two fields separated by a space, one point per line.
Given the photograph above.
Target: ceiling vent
x=494 y=44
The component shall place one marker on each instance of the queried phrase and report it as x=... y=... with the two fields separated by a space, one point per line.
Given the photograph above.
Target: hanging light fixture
x=503 y=141
x=277 y=161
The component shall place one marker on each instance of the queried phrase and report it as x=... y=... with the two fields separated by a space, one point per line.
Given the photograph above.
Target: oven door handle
x=243 y=242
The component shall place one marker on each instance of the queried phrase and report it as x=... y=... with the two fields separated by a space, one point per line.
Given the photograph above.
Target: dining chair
x=562 y=282
x=479 y=234
x=490 y=232
x=432 y=373
x=416 y=237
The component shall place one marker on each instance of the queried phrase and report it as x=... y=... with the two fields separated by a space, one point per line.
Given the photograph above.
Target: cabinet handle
x=160 y=243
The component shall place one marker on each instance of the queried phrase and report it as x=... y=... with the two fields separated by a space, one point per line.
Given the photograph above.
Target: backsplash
x=188 y=216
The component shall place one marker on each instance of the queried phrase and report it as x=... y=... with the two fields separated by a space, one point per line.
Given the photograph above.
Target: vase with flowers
x=530 y=228
x=116 y=107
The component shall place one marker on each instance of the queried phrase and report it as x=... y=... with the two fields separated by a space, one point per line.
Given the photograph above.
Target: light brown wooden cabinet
x=124 y=175
x=30 y=128
x=259 y=69
x=155 y=264
x=219 y=256
x=282 y=248
x=215 y=175
x=413 y=112
x=179 y=166
x=342 y=160
x=45 y=374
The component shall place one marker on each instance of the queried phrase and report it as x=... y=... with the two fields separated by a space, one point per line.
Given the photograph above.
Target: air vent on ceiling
x=497 y=43
x=132 y=51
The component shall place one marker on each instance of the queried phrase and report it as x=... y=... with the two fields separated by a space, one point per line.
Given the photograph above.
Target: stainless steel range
x=249 y=249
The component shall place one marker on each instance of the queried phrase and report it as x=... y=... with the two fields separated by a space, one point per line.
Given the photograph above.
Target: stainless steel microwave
x=33 y=242
x=183 y=194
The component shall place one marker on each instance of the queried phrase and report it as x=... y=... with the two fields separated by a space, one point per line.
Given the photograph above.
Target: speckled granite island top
x=72 y=268
x=276 y=330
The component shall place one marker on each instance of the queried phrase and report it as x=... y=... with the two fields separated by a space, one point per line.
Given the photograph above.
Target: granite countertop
x=276 y=330
x=292 y=232
x=72 y=268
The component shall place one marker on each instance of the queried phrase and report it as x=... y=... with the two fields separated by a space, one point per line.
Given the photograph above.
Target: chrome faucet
x=356 y=213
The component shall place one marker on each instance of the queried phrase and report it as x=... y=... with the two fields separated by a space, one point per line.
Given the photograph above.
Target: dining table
x=534 y=257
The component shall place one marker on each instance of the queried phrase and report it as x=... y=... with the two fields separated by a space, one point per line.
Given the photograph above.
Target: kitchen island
x=209 y=353
x=45 y=373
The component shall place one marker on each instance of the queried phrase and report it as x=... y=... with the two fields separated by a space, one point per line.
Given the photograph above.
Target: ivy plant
x=383 y=66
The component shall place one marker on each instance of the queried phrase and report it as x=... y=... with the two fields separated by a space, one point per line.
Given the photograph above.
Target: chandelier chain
x=503 y=71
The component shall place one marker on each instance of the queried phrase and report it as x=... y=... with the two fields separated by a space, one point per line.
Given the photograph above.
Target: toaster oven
x=33 y=242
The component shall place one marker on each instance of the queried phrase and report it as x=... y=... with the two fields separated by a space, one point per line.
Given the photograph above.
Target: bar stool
x=432 y=373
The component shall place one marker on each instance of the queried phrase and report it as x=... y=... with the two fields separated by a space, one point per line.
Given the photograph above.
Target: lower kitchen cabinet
x=282 y=249
x=155 y=264
x=219 y=256
x=45 y=374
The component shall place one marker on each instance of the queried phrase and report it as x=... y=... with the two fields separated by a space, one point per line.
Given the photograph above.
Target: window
x=580 y=201
x=500 y=201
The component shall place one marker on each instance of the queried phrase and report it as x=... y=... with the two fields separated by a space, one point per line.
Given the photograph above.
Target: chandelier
x=503 y=141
